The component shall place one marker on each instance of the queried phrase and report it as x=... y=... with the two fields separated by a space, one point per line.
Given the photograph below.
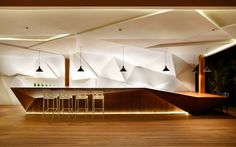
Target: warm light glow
x=30 y=39
x=221 y=48
x=167 y=112
x=214 y=51
x=208 y=18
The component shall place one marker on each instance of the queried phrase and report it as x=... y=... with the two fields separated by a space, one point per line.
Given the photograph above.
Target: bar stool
x=97 y=95
x=65 y=96
x=50 y=96
x=81 y=96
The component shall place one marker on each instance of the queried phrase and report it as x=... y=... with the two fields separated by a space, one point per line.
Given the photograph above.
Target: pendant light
x=206 y=69
x=166 y=68
x=123 y=67
x=80 y=67
x=39 y=68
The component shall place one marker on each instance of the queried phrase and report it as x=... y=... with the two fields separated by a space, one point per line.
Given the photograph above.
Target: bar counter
x=128 y=99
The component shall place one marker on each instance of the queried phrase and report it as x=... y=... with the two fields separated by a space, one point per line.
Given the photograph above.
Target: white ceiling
x=98 y=28
x=145 y=32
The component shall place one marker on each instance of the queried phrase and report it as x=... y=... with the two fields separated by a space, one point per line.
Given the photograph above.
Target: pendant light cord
x=77 y=46
x=193 y=59
x=80 y=57
x=165 y=56
x=123 y=55
x=39 y=57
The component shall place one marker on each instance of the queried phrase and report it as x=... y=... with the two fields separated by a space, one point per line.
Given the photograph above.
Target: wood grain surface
x=20 y=130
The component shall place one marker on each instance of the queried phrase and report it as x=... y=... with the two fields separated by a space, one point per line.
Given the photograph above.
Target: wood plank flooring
x=18 y=129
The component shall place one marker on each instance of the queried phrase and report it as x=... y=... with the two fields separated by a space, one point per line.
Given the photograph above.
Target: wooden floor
x=17 y=129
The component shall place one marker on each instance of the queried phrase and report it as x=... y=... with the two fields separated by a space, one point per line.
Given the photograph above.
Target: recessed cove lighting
x=32 y=39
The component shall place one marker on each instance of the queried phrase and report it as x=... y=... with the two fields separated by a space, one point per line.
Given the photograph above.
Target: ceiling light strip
x=213 y=22
x=228 y=45
x=30 y=39
x=229 y=26
x=221 y=48
x=20 y=39
x=27 y=48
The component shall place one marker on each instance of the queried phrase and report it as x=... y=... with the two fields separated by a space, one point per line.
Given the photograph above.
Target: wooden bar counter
x=127 y=99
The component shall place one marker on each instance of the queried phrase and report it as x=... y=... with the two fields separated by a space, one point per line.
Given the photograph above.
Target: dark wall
x=223 y=75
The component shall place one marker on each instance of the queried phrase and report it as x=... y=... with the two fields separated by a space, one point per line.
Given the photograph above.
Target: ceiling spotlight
x=39 y=68
x=166 y=68
x=120 y=29
x=214 y=29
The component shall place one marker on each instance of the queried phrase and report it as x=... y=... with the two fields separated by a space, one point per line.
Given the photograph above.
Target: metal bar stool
x=81 y=96
x=65 y=96
x=97 y=96
x=50 y=96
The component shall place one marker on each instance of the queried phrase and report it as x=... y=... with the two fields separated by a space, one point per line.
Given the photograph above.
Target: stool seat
x=81 y=97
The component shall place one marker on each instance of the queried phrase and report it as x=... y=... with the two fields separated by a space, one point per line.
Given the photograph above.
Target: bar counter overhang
x=129 y=100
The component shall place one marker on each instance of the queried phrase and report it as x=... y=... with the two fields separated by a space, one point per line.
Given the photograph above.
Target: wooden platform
x=129 y=100
x=20 y=130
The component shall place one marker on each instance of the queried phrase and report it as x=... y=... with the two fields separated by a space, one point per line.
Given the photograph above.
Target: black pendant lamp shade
x=80 y=69
x=123 y=67
x=166 y=68
x=206 y=69
x=39 y=68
